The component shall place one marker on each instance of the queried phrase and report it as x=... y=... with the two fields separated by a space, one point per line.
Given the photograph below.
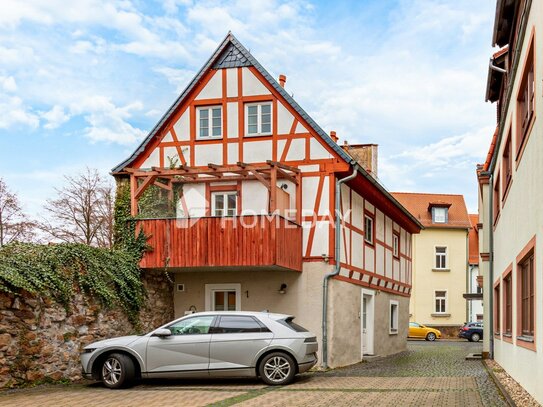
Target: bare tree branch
x=82 y=211
x=14 y=225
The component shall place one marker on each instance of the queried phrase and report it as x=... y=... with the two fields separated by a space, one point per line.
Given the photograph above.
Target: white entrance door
x=367 y=321
x=364 y=325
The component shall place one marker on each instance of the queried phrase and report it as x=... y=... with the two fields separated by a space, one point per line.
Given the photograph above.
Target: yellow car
x=417 y=330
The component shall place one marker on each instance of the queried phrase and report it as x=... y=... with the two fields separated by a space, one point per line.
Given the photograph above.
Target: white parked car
x=206 y=344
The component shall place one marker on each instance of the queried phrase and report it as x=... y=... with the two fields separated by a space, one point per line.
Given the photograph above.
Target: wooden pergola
x=267 y=174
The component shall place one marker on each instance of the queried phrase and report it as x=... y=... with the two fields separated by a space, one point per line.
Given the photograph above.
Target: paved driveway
x=427 y=374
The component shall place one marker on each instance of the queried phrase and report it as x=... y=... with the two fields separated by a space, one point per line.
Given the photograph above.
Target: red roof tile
x=418 y=204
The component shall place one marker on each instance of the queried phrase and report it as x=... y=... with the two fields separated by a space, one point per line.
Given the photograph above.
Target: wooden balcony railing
x=260 y=241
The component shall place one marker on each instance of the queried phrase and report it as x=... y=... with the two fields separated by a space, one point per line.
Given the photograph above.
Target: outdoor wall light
x=283 y=289
x=284 y=186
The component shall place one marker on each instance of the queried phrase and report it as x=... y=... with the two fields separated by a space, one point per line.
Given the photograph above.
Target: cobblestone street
x=427 y=374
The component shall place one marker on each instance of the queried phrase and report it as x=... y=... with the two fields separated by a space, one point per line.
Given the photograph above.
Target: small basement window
x=393 y=328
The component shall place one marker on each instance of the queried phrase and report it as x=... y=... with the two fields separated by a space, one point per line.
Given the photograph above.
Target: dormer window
x=439 y=215
x=440 y=211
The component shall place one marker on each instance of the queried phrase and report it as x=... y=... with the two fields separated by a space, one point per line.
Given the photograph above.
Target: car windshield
x=289 y=323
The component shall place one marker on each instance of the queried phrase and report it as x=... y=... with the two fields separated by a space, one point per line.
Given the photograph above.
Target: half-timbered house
x=254 y=184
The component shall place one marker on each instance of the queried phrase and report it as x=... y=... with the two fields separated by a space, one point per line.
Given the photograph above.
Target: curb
x=500 y=387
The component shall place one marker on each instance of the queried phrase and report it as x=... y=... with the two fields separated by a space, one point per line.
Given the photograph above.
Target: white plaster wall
x=195 y=199
x=309 y=194
x=182 y=127
x=251 y=85
x=232 y=82
x=207 y=153
x=380 y=253
x=257 y=151
x=213 y=88
x=369 y=259
x=317 y=151
x=296 y=150
x=254 y=197
x=171 y=152
x=379 y=225
x=233 y=153
x=284 y=119
x=320 y=241
x=300 y=128
x=358 y=211
x=232 y=119
x=153 y=160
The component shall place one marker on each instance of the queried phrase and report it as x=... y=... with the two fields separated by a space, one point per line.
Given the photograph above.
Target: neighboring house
x=440 y=259
x=255 y=183
x=510 y=197
x=474 y=294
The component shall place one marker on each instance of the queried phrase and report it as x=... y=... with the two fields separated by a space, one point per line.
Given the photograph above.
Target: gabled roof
x=418 y=204
x=231 y=53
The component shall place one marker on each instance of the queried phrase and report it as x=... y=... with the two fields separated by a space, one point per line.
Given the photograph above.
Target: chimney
x=282 y=80
x=333 y=135
x=365 y=155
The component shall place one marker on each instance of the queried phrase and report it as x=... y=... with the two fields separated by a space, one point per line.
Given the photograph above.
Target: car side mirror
x=162 y=332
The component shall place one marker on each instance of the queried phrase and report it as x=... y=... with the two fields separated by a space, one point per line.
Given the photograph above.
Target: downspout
x=491 y=265
x=337 y=265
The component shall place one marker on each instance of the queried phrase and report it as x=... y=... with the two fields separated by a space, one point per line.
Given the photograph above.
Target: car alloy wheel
x=277 y=368
x=118 y=371
x=111 y=371
x=431 y=336
x=475 y=337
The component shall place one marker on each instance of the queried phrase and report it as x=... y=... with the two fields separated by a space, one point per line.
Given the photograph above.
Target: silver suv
x=206 y=344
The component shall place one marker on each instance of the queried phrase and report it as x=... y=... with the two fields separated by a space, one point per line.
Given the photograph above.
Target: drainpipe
x=490 y=284
x=337 y=266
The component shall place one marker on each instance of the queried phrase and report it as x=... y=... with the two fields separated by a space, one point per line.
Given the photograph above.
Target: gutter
x=337 y=265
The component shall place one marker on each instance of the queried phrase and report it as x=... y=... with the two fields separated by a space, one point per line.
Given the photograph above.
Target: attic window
x=440 y=214
x=258 y=119
x=209 y=122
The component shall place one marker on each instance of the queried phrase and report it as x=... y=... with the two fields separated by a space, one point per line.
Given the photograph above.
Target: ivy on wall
x=58 y=271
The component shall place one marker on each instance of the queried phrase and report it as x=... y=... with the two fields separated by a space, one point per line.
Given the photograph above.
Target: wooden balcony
x=268 y=242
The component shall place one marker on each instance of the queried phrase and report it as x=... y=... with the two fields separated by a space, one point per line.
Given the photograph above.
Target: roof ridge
x=426 y=193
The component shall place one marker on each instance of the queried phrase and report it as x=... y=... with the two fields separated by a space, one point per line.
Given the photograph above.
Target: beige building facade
x=440 y=260
x=511 y=194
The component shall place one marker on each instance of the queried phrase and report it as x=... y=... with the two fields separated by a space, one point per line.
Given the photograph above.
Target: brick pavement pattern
x=427 y=374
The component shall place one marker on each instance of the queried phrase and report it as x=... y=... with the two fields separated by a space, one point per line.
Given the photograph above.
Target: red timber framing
x=267 y=174
x=233 y=166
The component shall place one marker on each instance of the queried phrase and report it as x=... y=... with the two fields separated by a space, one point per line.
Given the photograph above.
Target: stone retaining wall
x=40 y=341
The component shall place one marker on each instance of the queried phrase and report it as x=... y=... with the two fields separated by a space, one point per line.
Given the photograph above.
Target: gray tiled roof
x=231 y=57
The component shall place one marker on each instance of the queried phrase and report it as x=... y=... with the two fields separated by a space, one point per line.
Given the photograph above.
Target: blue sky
x=82 y=82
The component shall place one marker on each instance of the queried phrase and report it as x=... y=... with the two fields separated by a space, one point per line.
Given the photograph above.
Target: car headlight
x=88 y=350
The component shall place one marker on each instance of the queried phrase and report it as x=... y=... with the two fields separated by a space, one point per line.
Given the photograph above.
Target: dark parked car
x=472 y=331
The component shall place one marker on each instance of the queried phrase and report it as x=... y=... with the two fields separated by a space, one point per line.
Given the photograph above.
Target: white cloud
x=8 y=83
x=14 y=112
x=108 y=122
x=55 y=117
x=180 y=78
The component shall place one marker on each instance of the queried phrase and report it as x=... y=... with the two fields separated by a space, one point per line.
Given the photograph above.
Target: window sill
x=507 y=335
x=440 y=315
x=369 y=243
x=258 y=135
x=209 y=138
x=439 y=270
x=529 y=339
x=393 y=332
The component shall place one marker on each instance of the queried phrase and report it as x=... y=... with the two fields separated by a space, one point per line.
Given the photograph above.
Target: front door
x=364 y=325
x=367 y=321
x=186 y=349
x=224 y=300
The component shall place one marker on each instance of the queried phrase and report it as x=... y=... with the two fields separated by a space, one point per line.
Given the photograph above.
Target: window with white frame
x=439 y=214
x=393 y=327
x=224 y=203
x=209 y=122
x=368 y=229
x=440 y=302
x=258 y=119
x=396 y=245
x=441 y=257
